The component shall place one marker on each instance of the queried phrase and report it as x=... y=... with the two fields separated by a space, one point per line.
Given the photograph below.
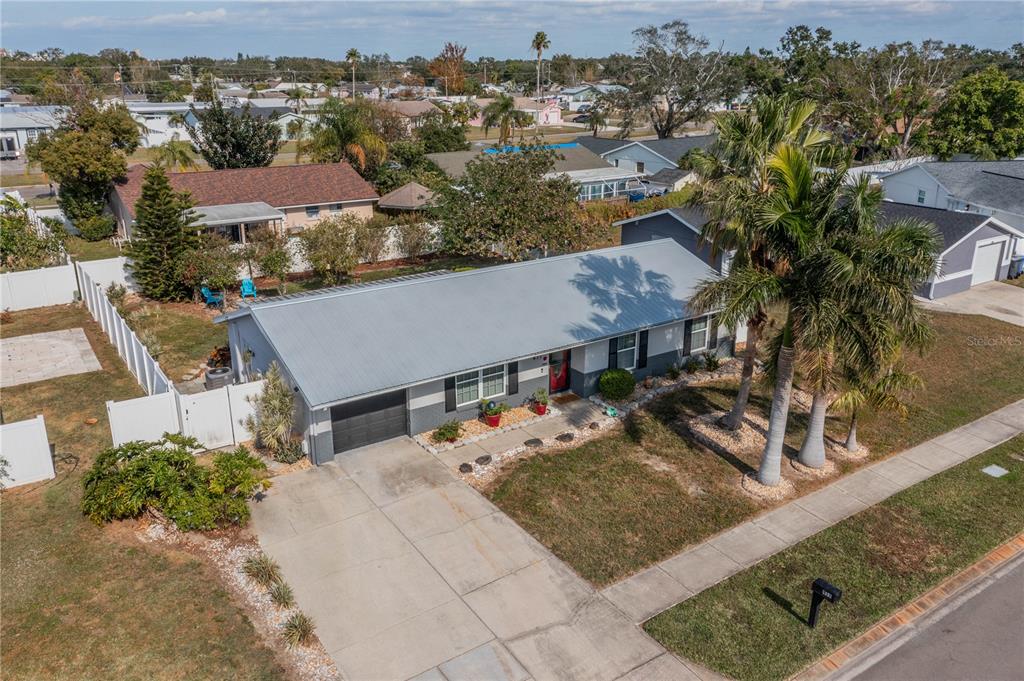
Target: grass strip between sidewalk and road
x=752 y=626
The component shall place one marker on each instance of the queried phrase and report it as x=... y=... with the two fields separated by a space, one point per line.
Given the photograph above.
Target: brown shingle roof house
x=300 y=193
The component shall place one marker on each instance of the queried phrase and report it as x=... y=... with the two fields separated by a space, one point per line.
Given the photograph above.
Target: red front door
x=558 y=371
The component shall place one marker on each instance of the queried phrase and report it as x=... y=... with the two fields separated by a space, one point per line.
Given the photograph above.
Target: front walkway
x=676 y=579
x=408 y=572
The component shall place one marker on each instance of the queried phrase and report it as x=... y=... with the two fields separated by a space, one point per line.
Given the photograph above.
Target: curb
x=913 y=611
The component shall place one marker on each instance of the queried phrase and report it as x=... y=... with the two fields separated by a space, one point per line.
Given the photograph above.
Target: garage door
x=986 y=262
x=364 y=422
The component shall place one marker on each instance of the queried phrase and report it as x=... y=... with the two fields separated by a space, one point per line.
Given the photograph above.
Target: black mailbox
x=822 y=591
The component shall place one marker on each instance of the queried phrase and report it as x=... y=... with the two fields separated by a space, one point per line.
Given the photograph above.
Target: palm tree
x=352 y=57
x=342 y=130
x=175 y=153
x=296 y=129
x=296 y=96
x=734 y=180
x=539 y=44
x=503 y=114
x=598 y=120
x=884 y=391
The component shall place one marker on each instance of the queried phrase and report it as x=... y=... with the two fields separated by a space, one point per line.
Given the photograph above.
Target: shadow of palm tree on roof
x=627 y=296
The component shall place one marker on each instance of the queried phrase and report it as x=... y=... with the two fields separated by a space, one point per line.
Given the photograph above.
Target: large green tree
x=229 y=138
x=511 y=203
x=983 y=114
x=503 y=115
x=346 y=131
x=439 y=132
x=162 y=238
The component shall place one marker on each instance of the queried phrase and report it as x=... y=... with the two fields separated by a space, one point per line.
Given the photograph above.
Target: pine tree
x=162 y=238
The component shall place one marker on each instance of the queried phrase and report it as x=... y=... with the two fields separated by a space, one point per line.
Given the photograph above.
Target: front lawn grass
x=751 y=627
x=617 y=504
x=87 y=602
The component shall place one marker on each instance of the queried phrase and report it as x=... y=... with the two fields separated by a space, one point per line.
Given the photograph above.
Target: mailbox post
x=821 y=591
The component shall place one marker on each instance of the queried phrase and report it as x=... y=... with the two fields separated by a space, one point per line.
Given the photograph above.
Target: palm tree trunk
x=770 y=471
x=734 y=419
x=538 y=75
x=851 y=437
x=812 y=451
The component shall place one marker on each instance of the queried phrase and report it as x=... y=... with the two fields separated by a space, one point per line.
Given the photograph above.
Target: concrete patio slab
x=904 y=473
x=536 y=596
x=962 y=442
x=489 y=662
x=430 y=675
x=791 y=523
x=480 y=551
x=935 y=457
x=41 y=356
x=391 y=470
x=591 y=646
x=831 y=504
x=427 y=640
x=747 y=543
x=700 y=567
x=868 y=486
x=665 y=667
x=643 y=595
x=464 y=454
x=437 y=510
x=545 y=429
x=502 y=442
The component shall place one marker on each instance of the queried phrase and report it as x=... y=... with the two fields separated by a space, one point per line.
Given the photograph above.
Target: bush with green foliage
x=228 y=138
x=298 y=629
x=273 y=416
x=263 y=570
x=95 y=227
x=449 y=431
x=616 y=384
x=213 y=262
x=281 y=595
x=164 y=476
x=691 y=365
x=673 y=371
x=416 y=236
x=370 y=237
x=330 y=247
x=116 y=294
x=22 y=245
x=711 y=361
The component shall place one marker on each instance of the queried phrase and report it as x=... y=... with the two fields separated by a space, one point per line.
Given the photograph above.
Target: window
x=699 y=334
x=312 y=211
x=473 y=386
x=921 y=195
x=616 y=163
x=625 y=351
x=640 y=166
x=467 y=388
x=32 y=133
x=335 y=207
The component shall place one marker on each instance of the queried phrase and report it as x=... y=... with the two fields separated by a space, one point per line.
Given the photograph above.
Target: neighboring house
x=993 y=188
x=682 y=224
x=20 y=125
x=572 y=98
x=229 y=202
x=646 y=157
x=412 y=111
x=671 y=179
x=309 y=88
x=409 y=197
x=876 y=171
x=596 y=179
x=159 y=120
x=541 y=113
x=8 y=98
x=561 y=323
x=975 y=248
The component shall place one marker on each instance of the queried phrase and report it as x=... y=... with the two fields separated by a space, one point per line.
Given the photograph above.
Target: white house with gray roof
x=399 y=357
x=20 y=125
x=645 y=157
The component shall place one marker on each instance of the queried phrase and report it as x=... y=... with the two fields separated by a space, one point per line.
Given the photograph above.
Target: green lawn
x=85 y=602
x=620 y=503
x=80 y=249
x=9 y=180
x=185 y=332
x=751 y=627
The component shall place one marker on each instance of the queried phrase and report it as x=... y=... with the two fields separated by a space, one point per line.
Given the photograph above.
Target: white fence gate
x=26 y=449
x=143 y=418
x=38 y=288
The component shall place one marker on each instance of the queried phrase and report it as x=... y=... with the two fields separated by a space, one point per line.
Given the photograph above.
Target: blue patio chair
x=212 y=299
x=248 y=288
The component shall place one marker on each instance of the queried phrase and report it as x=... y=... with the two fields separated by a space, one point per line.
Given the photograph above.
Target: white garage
x=988 y=259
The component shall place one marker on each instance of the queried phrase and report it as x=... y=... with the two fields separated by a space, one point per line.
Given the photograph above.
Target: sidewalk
x=676 y=579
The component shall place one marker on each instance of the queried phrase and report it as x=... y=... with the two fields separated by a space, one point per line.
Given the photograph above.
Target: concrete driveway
x=410 y=573
x=992 y=299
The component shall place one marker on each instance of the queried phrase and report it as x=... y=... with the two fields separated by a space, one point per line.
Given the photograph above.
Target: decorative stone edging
x=434 y=448
x=729 y=367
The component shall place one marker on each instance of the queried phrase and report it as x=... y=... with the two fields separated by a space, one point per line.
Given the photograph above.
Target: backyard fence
x=216 y=417
x=25 y=448
x=38 y=288
x=134 y=353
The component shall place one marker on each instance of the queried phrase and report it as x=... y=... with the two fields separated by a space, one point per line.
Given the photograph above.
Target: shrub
x=298 y=629
x=95 y=227
x=263 y=570
x=164 y=476
x=415 y=237
x=271 y=421
x=673 y=371
x=616 y=384
x=371 y=238
x=116 y=294
x=152 y=342
x=711 y=361
x=281 y=595
x=290 y=452
x=447 y=432
x=692 y=365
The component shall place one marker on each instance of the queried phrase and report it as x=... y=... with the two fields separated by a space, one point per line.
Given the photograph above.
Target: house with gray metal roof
x=20 y=125
x=399 y=357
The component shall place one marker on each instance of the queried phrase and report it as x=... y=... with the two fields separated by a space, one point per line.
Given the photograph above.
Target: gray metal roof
x=994 y=184
x=674 y=148
x=348 y=343
x=951 y=225
x=20 y=117
x=568 y=158
x=235 y=213
x=602 y=145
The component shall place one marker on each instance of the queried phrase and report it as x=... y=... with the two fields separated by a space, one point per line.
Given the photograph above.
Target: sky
x=500 y=29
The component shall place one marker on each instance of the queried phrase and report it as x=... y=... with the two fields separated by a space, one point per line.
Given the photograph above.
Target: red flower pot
x=541 y=409
x=493 y=421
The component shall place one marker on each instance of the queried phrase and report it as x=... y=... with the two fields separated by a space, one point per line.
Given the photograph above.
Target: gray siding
x=244 y=334
x=961 y=257
x=666 y=226
x=950 y=286
x=628 y=156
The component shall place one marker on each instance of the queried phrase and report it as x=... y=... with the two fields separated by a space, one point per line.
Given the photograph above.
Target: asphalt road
x=980 y=639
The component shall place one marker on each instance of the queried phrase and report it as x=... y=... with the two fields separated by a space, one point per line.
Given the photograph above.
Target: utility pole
x=120 y=78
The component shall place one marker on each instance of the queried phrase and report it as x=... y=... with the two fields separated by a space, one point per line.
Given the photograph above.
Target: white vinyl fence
x=38 y=288
x=142 y=365
x=26 y=449
x=108 y=271
x=216 y=417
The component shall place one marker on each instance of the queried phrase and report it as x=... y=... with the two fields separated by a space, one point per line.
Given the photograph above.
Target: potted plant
x=492 y=412
x=540 y=401
x=448 y=431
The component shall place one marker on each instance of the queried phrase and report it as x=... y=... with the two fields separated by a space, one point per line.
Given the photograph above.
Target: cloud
x=189 y=18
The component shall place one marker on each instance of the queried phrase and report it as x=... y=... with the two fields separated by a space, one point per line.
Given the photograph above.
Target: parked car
x=583 y=108
x=585 y=118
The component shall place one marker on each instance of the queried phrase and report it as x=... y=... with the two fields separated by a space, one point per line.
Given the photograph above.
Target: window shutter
x=712 y=333
x=613 y=358
x=513 y=378
x=449 y=394
x=687 y=336
x=641 y=357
